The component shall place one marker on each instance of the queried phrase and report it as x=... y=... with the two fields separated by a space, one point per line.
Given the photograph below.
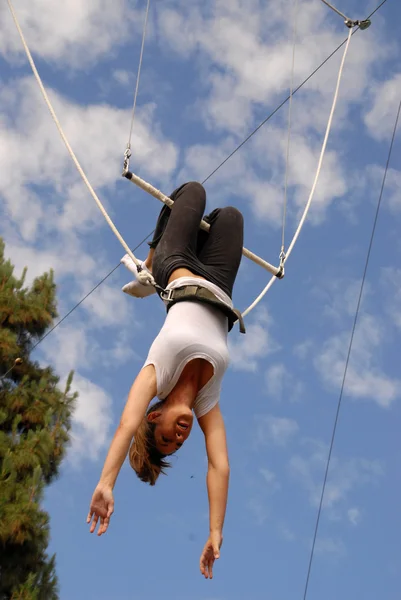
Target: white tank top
x=192 y=330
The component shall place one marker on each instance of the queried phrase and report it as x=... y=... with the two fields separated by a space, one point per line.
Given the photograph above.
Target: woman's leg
x=176 y=234
x=191 y=193
x=179 y=243
x=220 y=250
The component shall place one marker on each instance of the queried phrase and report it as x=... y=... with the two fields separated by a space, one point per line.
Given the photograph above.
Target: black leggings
x=178 y=241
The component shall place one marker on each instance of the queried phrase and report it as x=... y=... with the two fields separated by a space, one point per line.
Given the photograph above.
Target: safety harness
x=196 y=293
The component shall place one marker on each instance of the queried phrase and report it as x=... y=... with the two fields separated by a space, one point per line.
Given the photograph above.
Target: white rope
x=74 y=158
x=138 y=76
x=287 y=160
x=306 y=210
x=150 y=189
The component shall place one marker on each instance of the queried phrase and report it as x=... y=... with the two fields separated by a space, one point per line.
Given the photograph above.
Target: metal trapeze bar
x=147 y=187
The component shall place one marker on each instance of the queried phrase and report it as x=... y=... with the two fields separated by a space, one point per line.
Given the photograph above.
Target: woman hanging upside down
x=195 y=273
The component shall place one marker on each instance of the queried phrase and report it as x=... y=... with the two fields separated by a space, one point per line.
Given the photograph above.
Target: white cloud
x=340 y=297
x=270 y=478
x=330 y=546
x=247 y=49
x=345 y=476
x=97 y=135
x=241 y=179
x=385 y=100
x=305 y=151
x=365 y=377
x=122 y=351
x=391 y=197
x=286 y=532
x=391 y=278
x=62 y=258
x=281 y=383
x=276 y=430
x=123 y=77
x=69 y=348
x=247 y=350
x=259 y=509
x=354 y=515
x=304 y=349
x=92 y=419
x=108 y=306
x=70 y=33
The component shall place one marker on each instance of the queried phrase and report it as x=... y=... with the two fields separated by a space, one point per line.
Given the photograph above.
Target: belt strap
x=201 y=294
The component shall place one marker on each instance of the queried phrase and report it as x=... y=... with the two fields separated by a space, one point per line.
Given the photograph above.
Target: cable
x=127 y=153
x=138 y=74
x=349 y=353
x=287 y=157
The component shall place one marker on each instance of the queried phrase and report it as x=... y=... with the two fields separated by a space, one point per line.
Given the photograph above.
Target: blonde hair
x=144 y=457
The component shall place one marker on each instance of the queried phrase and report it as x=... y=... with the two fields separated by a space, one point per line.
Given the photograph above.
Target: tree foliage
x=35 y=419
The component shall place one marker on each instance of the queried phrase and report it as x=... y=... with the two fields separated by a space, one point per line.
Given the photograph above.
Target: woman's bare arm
x=102 y=503
x=212 y=425
x=139 y=397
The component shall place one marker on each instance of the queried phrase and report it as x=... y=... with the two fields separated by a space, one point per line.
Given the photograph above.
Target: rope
x=287 y=160
x=322 y=152
x=74 y=158
x=349 y=352
x=127 y=154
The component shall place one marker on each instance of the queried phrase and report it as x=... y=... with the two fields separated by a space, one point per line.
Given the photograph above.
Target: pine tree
x=35 y=418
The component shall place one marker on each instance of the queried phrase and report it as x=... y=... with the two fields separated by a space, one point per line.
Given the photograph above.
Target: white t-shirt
x=192 y=330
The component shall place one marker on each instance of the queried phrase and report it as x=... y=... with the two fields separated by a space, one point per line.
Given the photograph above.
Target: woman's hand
x=102 y=506
x=211 y=552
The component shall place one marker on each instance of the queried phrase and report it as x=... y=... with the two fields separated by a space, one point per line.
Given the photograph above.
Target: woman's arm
x=102 y=503
x=139 y=397
x=212 y=425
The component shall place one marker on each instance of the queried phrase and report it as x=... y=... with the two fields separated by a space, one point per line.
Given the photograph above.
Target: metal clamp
x=281 y=271
x=127 y=156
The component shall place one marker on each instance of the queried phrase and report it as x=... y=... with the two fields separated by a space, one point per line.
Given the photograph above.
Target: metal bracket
x=281 y=271
x=364 y=24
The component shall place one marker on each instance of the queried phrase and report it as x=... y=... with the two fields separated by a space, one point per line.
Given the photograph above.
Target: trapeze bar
x=147 y=187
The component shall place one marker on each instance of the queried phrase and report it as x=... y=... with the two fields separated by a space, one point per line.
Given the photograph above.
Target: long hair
x=144 y=457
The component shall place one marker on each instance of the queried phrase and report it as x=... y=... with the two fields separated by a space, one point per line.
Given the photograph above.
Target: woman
x=195 y=272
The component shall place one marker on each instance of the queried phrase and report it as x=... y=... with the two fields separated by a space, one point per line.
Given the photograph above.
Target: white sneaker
x=136 y=288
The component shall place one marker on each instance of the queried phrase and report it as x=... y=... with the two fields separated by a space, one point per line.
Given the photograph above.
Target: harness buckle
x=167 y=295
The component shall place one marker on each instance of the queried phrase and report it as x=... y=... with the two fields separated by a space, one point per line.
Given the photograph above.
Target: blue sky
x=211 y=72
